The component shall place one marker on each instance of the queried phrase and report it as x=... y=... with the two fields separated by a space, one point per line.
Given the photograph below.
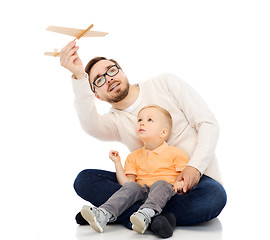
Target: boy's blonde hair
x=165 y=113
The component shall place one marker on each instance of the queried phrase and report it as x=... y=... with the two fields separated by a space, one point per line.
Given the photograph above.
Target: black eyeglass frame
x=104 y=75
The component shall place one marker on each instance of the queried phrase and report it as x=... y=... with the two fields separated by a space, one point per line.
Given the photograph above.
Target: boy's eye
x=139 y=120
x=150 y=120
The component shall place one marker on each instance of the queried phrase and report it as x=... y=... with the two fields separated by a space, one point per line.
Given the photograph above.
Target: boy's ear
x=164 y=133
x=98 y=97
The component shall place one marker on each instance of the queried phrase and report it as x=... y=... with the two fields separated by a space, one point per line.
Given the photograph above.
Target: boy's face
x=151 y=124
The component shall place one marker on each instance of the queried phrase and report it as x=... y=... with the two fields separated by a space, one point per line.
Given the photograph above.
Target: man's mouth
x=113 y=86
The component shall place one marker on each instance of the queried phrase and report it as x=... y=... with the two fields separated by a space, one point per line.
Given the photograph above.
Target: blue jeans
x=202 y=203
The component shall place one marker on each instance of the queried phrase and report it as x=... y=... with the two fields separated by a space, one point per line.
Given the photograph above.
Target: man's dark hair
x=92 y=62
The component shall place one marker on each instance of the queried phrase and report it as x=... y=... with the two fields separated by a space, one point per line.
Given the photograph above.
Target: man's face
x=115 y=88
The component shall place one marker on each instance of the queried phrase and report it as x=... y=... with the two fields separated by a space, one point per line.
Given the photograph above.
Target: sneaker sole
x=91 y=218
x=137 y=224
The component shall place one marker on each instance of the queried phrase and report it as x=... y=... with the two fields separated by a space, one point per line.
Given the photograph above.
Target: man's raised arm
x=96 y=125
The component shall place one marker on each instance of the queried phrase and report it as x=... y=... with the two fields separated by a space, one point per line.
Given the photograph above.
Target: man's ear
x=164 y=133
x=98 y=97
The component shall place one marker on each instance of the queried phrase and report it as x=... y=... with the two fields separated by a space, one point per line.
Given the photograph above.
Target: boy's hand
x=114 y=156
x=178 y=186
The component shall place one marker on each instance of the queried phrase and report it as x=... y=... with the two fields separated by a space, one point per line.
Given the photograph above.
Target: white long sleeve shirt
x=195 y=128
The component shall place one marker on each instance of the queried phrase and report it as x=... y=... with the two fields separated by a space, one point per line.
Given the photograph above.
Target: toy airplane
x=77 y=33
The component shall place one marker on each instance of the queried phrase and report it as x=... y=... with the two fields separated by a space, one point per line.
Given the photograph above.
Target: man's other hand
x=191 y=177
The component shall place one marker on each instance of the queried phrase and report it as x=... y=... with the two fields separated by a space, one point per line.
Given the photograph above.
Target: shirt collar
x=157 y=150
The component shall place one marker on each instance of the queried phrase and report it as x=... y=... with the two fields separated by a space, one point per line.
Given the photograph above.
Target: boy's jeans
x=155 y=197
x=202 y=203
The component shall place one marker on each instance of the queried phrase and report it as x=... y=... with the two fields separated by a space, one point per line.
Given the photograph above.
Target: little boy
x=150 y=174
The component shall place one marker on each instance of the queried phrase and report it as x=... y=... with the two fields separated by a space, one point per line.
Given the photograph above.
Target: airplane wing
x=53 y=54
x=75 y=32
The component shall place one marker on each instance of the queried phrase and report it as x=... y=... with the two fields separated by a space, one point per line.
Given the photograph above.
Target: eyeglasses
x=101 y=80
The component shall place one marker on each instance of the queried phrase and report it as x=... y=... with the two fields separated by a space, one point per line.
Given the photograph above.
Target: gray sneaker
x=140 y=221
x=96 y=217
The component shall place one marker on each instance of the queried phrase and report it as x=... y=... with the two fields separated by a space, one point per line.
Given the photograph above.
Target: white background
x=220 y=47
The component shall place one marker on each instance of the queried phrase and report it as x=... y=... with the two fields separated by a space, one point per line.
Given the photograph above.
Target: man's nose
x=109 y=79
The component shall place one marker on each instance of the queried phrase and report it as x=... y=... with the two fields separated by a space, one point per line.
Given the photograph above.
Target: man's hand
x=114 y=156
x=70 y=60
x=191 y=177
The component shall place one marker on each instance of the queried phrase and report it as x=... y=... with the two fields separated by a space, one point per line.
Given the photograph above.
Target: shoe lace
x=146 y=216
x=98 y=213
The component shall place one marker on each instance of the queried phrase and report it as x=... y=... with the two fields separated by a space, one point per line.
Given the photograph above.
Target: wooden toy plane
x=77 y=33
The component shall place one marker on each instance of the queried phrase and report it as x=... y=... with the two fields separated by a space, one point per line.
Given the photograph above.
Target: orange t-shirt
x=162 y=163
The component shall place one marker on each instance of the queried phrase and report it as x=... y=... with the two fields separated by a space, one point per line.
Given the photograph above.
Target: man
x=195 y=130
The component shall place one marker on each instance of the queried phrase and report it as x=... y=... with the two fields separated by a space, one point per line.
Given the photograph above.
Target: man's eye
x=99 y=80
